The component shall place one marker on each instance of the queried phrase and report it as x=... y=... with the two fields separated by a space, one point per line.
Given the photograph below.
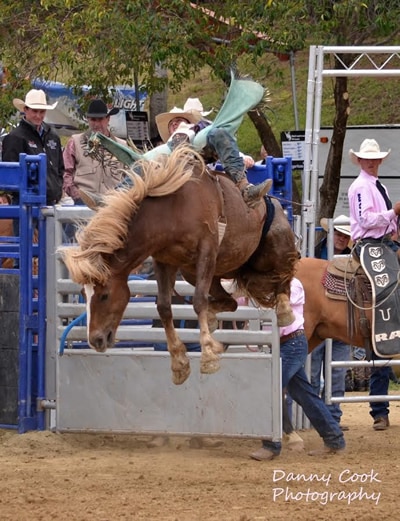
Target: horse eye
x=104 y=297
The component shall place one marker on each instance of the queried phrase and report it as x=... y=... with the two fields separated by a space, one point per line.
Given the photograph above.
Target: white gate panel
x=132 y=391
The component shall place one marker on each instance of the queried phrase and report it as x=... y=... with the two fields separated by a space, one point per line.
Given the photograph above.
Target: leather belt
x=294 y=334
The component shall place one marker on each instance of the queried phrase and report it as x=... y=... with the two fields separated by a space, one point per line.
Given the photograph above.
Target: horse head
x=105 y=305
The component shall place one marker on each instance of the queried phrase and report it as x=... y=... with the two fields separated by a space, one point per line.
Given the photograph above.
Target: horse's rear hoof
x=285 y=319
x=218 y=348
x=210 y=367
x=179 y=377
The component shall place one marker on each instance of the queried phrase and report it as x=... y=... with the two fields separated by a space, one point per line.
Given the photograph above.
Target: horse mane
x=107 y=231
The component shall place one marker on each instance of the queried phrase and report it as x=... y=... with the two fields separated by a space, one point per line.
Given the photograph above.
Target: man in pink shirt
x=373 y=218
x=372 y=215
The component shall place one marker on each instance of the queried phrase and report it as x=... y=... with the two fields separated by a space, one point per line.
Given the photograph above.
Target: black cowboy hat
x=98 y=109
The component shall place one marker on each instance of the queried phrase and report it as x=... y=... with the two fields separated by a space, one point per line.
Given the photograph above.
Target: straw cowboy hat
x=337 y=224
x=98 y=109
x=369 y=149
x=195 y=105
x=164 y=119
x=35 y=99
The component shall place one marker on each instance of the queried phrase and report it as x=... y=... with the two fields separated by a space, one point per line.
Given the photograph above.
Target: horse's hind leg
x=180 y=364
x=284 y=310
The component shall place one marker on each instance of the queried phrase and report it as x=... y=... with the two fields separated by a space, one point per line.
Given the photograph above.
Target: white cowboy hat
x=35 y=99
x=369 y=149
x=337 y=224
x=164 y=119
x=194 y=104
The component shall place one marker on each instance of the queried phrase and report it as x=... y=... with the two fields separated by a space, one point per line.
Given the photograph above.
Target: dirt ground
x=84 y=477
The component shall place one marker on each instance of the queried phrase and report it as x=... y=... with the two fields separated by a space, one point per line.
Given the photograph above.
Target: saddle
x=339 y=275
x=370 y=284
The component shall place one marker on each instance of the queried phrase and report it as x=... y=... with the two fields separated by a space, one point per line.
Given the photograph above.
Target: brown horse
x=173 y=213
x=323 y=317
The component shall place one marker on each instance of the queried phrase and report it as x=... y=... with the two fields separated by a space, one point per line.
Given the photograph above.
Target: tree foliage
x=103 y=43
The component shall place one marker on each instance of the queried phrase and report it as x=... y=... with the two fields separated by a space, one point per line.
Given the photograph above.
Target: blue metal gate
x=28 y=178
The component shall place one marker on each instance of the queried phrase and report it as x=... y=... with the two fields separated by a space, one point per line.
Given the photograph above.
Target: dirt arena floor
x=82 y=477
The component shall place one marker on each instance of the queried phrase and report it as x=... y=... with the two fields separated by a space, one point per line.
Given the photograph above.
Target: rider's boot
x=93 y=200
x=252 y=194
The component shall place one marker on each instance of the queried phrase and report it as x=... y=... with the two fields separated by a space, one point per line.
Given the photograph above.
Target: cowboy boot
x=252 y=194
x=93 y=200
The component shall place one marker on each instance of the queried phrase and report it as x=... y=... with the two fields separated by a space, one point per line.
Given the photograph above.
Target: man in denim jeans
x=294 y=349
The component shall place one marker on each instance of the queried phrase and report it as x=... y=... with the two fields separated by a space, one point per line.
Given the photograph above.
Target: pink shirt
x=369 y=216
x=297 y=299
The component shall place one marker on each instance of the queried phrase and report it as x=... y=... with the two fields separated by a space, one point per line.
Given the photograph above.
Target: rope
x=67 y=330
x=294 y=203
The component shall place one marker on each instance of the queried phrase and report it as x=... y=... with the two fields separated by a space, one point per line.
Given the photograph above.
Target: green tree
x=102 y=43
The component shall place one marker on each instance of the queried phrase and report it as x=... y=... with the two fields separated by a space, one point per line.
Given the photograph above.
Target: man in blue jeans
x=379 y=386
x=294 y=350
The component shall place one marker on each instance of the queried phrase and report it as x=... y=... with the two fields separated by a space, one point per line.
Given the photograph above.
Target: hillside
x=372 y=101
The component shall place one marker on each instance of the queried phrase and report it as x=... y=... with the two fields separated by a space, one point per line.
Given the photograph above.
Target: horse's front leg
x=210 y=348
x=220 y=300
x=180 y=364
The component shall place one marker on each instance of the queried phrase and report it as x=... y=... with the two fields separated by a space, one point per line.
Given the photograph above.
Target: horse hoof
x=179 y=377
x=285 y=319
x=210 y=367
